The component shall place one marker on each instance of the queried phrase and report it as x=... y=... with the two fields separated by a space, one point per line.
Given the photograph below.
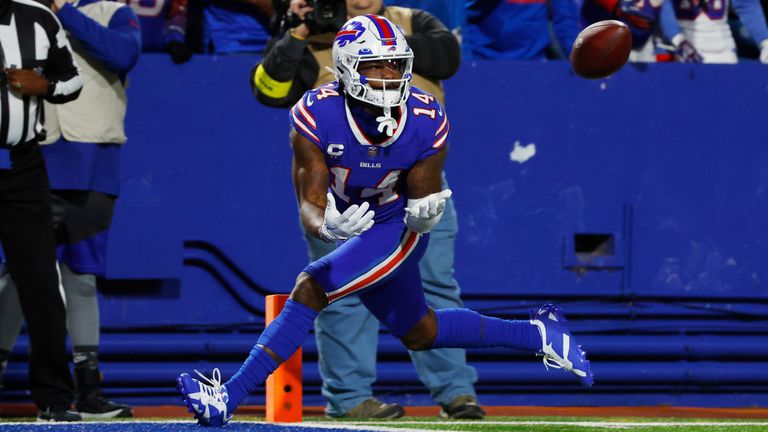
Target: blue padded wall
x=668 y=159
x=644 y=211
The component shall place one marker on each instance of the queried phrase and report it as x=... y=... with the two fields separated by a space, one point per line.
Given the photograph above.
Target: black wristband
x=51 y=88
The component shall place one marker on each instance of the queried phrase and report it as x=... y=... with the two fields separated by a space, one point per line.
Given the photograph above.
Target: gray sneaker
x=374 y=408
x=462 y=407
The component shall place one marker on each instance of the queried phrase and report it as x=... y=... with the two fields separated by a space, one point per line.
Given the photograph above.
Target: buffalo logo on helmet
x=349 y=33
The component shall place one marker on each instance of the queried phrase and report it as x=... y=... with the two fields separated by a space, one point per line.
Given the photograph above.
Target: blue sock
x=253 y=372
x=283 y=336
x=465 y=328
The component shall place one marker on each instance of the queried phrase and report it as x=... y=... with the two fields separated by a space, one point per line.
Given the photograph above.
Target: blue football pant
x=381 y=266
x=347 y=333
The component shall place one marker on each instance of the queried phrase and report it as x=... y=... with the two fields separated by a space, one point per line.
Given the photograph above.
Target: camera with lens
x=327 y=16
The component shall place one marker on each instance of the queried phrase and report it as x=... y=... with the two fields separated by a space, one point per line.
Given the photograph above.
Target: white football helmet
x=368 y=38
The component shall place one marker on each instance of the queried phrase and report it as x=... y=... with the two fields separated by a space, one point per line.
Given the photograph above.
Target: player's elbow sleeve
x=267 y=86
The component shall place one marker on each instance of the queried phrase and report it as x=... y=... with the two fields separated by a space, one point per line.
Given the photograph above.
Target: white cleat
x=207 y=402
x=557 y=345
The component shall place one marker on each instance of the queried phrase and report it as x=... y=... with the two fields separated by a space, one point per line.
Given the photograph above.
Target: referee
x=37 y=63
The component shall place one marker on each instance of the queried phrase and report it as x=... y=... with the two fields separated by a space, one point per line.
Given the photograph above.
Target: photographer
x=296 y=62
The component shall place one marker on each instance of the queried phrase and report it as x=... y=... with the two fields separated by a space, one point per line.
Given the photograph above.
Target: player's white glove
x=340 y=226
x=685 y=51
x=764 y=52
x=423 y=214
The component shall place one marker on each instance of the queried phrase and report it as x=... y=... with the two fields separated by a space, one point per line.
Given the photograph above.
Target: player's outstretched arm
x=311 y=180
x=426 y=200
x=426 y=175
x=316 y=205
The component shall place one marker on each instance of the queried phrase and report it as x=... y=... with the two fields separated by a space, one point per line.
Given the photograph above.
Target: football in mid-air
x=601 y=49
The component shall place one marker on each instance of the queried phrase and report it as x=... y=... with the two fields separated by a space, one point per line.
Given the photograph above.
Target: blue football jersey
x=592 y=12
x=359 y=169
x=162 y=21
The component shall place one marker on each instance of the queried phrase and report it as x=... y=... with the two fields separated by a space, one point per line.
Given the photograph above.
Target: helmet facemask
x=385 y=93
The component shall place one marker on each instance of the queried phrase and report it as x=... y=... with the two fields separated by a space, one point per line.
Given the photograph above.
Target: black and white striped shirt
x=31 y=37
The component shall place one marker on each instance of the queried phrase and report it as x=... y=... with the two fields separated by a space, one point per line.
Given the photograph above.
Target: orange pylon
x=284 y=390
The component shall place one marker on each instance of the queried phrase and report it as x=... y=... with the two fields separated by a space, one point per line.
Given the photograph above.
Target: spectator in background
x=452 y=13
x=163 y=27
x=703 y=26
x=38 y=64
x=86 y=136
x=518 y=29
x=641 y=18
x=647 y=20
x=295 y=63
x=236 y=26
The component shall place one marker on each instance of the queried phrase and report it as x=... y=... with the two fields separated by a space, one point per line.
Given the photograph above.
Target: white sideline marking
x=606 y=424
x=361 y=426
x=572 y=423
x=312 y=425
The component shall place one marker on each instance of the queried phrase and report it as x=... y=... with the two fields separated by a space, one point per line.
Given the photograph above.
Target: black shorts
x=82 y=220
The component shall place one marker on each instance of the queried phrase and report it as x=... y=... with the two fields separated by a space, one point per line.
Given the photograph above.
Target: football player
x=368 y=151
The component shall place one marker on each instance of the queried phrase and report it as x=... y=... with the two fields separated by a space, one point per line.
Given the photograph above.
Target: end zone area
x=499 y=424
